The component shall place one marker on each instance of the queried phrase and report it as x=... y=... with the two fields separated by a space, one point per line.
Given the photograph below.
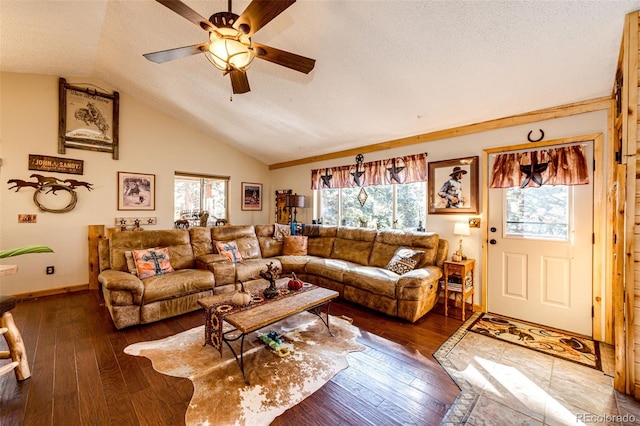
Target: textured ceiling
x=385 y=69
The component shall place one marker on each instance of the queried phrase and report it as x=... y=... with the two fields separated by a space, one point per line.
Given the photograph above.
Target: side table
x=463 y=271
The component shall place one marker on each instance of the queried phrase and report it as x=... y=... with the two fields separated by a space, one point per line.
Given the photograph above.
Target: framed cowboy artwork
x=88 y=119
x=453 y=186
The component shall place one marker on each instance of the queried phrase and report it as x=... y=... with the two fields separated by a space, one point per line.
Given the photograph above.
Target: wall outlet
x=50 y=270
x=474 y=222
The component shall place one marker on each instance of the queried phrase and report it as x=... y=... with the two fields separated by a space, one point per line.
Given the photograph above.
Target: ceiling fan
x=230 y=48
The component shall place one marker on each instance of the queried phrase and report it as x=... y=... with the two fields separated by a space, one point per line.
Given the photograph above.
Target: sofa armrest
x=206 y=259
x=410 y=285
x=122 y=281
x=224 y=271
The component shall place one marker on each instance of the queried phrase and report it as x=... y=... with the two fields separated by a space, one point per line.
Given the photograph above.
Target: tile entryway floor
x=505 y=384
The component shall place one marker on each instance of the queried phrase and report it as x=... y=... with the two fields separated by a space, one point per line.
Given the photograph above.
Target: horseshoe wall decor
x=536 y=140
x=53 y=187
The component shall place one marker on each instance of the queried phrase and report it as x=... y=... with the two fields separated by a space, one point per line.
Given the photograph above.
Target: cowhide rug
x=220 y=395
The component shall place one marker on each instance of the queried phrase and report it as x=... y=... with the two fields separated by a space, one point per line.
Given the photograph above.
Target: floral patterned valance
x=552 y=166
x=408 y=169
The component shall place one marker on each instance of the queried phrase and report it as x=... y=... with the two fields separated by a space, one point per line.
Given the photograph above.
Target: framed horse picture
x=88 y=119
x=136 y=191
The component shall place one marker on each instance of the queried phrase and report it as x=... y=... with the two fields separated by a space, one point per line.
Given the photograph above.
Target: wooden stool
x=17 y=351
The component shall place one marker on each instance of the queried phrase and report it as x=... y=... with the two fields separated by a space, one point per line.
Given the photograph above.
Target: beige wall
x=150 y=142
x=298 y=178
x=153 y=142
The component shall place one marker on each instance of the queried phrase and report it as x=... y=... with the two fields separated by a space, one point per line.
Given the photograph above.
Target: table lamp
x=294 y=202
x=462 y=229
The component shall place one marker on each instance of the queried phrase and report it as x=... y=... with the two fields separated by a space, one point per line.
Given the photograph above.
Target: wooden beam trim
x=582 y=107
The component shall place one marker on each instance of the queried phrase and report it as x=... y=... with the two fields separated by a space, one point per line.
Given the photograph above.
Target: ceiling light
x=229 y=49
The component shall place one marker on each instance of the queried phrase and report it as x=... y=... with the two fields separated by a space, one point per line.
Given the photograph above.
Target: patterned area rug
x=220 y=395
x=539 y=338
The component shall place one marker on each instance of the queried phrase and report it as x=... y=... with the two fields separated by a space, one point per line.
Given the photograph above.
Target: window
x=386 y=205
x=541 y=213
x=194 y=194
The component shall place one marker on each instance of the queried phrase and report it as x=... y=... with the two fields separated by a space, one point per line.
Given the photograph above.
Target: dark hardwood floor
x=81 y=376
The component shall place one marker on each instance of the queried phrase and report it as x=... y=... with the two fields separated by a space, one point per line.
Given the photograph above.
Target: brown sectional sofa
x=349 y=260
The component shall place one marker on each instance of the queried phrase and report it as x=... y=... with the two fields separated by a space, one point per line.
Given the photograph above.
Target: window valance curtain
x=407 y=169
x=552 y=166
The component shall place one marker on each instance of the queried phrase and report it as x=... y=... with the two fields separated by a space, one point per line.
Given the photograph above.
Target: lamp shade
x=295 y=200
x=461 y=228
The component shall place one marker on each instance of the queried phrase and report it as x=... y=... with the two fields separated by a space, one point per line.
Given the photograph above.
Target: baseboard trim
x=23 y=297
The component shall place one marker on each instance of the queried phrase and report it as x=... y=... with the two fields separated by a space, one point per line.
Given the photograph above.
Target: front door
x=540 y=249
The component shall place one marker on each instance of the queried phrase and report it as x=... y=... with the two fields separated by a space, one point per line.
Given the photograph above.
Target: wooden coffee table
x=260 y=316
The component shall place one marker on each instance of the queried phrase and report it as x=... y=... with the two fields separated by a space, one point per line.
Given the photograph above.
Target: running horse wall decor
x=51 y=185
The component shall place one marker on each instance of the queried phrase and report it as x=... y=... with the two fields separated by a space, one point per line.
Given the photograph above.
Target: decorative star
x=533 y=172
x=326 y=179
x=394 y=171
x=356 y=176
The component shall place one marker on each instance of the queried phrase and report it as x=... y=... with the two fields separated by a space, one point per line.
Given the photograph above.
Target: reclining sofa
x=393 y=272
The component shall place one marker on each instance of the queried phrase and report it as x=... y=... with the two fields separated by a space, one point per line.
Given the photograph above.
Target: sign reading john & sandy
x=56 y=164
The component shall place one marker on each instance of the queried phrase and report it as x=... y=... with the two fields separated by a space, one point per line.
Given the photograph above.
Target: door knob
x=492 y=241
x=493 y=229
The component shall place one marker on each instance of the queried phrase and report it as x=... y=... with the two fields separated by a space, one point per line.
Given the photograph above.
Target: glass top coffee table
x=253 y=318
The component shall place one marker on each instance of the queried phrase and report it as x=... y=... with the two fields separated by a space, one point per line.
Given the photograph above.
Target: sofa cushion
x=176 y=240
x=250 y=269
x=354 y=244
x=404 y=260
x=152 y=262
x=321 y=239
x=176 y=284
x=200 y=240
x=375 y=280
x=294 y=245
x=229 y=249
x=295 y=264
x=389 y=240
x=244 y=236
x=332 y=269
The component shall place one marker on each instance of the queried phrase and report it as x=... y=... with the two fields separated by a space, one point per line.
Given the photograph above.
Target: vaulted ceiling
x=385 y=69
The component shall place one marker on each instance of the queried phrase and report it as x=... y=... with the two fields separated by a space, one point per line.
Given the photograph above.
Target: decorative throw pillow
x=404 y=260
x=131 y=263
x=281 y=231
x=152 y=262
x=294 y=245
x=229 y=249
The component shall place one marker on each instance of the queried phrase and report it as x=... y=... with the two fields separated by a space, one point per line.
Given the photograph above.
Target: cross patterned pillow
x=404 y=260
x=230 y=250
x=152 y=262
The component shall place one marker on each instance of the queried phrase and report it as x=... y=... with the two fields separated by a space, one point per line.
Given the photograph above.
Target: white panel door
x=540 y=254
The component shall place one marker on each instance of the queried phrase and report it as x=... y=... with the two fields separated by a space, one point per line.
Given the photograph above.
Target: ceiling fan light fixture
x=229 y=49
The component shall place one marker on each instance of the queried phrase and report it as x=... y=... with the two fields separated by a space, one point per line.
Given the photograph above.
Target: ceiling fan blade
x=259 y=13
x=239 y=81
x=177 y=53
x=286 y=59
x=186 y=12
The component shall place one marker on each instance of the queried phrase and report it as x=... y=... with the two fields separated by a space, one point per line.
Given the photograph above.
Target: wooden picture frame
x=88 y=119
x=136 y=191
x=444 y=184
x=251 y=196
